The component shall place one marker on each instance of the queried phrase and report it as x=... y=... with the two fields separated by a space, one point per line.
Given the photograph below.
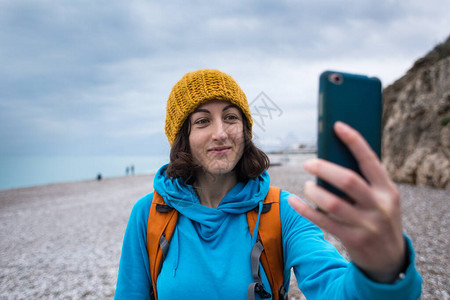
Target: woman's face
x=216 y=137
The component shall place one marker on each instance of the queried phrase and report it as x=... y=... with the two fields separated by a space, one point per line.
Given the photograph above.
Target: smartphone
x=355 y=100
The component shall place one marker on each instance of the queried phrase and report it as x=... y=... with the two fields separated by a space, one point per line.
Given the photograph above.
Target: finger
x=318 y=218
x=368 y=161
x=331 y=204
x=342 y=178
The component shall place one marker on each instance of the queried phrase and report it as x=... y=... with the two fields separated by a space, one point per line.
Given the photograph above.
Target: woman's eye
x=231 y=117
x=201 y=121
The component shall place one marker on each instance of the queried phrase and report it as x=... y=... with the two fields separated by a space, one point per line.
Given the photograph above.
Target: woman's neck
x=212 y=188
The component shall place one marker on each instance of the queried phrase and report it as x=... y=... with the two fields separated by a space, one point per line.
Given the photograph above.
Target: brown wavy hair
x=252 y=163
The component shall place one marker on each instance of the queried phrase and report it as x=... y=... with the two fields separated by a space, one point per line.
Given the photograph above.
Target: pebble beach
x=63 y=241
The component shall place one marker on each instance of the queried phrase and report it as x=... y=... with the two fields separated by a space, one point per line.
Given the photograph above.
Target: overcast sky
x=92 y=77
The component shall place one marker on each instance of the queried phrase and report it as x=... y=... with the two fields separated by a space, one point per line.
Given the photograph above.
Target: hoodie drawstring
x=255 y=230
x=177 y=253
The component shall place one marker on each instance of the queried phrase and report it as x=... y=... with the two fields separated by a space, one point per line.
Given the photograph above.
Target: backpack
x=268 y=249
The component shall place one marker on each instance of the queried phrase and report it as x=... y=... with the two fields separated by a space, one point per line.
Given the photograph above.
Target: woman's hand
x=370 y=228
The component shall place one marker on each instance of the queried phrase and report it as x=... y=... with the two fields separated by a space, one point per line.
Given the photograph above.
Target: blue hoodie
x=209 y=254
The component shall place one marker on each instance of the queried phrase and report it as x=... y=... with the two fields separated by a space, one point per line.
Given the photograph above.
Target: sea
x=18 y=171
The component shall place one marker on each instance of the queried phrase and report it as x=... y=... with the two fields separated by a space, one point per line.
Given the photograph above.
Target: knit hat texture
x=196 y=88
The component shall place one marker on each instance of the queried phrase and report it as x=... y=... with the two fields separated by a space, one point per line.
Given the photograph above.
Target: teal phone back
x=355 y=100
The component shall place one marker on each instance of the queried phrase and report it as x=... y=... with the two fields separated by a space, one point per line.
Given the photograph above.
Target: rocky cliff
x=416 y=122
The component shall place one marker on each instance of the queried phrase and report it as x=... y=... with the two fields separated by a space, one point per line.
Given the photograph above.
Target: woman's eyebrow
x=207 y=111
x=201 y=110
x=229 y=106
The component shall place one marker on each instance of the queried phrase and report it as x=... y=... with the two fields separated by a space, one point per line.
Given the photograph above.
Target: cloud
x=84 y=77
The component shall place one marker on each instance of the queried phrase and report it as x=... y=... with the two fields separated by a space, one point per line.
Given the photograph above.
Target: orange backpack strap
x=269 y=235
x=161 y=224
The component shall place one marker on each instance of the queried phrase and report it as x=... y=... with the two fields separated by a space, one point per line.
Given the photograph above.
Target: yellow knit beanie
x=196 y=88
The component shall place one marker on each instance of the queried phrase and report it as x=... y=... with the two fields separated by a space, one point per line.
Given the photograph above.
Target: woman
x=216 y=175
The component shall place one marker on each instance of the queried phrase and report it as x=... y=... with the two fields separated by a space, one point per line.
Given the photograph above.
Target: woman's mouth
x=219 y=150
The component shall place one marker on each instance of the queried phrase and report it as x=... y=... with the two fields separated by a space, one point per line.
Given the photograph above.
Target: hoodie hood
x=243 y=197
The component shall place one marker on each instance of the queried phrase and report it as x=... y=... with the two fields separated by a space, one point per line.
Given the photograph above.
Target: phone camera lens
x=336 y=78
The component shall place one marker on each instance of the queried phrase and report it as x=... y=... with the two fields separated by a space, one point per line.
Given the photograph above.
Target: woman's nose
x=220 y=130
